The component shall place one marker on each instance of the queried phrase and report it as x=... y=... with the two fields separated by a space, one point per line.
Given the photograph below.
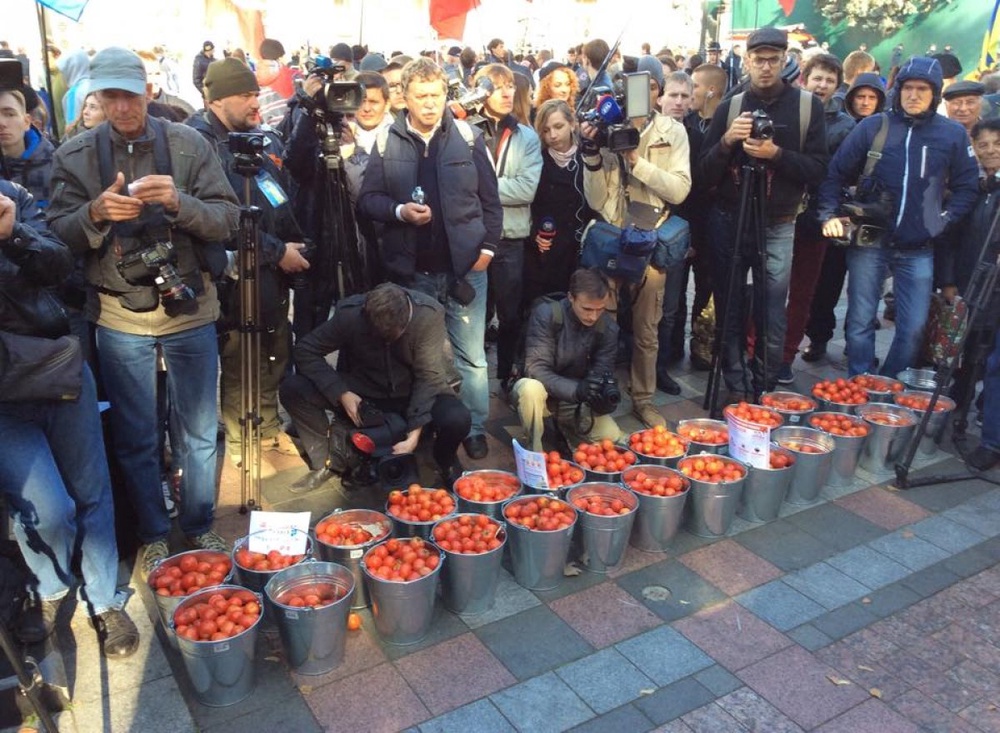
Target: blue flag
x=72 y=9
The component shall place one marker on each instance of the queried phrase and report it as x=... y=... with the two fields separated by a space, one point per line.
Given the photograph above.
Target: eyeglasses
x=759 y=62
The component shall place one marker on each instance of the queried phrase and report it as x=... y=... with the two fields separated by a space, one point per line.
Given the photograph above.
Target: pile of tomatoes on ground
x=468 y=534
x=540 y=513
x=402 y=560
x=488 y=486
x=603 y=457
x=184 y=574
x=222 y=615
x=418 y=504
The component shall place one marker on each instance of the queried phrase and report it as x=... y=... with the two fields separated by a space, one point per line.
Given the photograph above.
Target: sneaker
x=210 y=541
x=37 y=619
x=118 y=636
x=785 y=375
x=648 y=415
x=153 y=554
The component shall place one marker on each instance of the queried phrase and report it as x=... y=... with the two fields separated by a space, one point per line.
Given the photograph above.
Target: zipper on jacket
x=906 y=176
x=923 y=162
x=131 y=163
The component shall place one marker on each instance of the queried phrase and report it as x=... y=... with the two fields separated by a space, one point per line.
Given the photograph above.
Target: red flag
x=788 y=6
x=448 y=17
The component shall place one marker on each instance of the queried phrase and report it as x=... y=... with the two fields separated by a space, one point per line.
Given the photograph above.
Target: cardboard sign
x=748 y=442
x=530 y=467
x=285 y=532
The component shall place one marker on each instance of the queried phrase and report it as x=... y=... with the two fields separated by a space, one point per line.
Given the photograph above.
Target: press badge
x=271 y=189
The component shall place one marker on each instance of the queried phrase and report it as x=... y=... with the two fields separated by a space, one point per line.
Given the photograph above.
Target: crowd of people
x=406 y=203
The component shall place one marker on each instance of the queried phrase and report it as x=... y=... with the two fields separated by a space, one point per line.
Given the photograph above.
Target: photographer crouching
x=569 y=356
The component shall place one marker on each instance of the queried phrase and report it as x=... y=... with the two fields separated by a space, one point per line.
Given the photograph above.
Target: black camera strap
x=874 y=154
x=105 y=157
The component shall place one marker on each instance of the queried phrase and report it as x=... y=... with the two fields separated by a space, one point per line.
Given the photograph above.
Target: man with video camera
x=391 y=371
x=146 y=202
x=569 y=360
x=656 y=174
x=899 y=164
x=231 y=97
x=776 y=131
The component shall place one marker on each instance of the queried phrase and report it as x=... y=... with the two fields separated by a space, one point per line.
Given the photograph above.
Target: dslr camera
x=603 y=394
x=612 y=109
x=763 y=126
x=153 y=264
x=869 y=206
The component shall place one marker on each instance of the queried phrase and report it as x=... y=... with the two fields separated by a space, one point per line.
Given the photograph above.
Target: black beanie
x=228 y=78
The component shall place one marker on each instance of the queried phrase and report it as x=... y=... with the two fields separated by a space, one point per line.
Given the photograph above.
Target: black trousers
x=506 y=275
x=822 y=321
x=307 y=407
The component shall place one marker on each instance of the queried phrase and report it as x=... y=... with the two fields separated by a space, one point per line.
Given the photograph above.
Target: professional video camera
x=153 y=264
x=603 y=394
x=363 y=455
x=467 y=104
x=869 y=206
x=613 y=108
x=337 y=98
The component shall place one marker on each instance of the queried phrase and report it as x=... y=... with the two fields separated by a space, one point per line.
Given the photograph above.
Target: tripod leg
x=728 y=310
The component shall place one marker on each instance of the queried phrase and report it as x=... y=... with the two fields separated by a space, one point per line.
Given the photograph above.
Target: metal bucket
x=166 y=605
x=255 y=580
x=846 y=453
x=886 y=444
x=765 y=489
x=648 y=459
x=377 y=524
x=811 y=470
x=920 y=380
x=881 y=396
x=604 y=537
x=713 y=505
x=469 y=581
x=489 y=508
x=657 y=518
x=559 y=493
x=539 y=557
x=936 y=424
x=406 y=528
x=403 y=610
x=221 y=672
x=779 y=400
x=826 y=405
x=698 y=447
x=313 y=638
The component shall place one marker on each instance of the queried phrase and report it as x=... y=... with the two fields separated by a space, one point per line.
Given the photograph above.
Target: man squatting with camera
x=569 y=351
x=231 y=95
x=145 y=202
x=772 y=142
x=902 y=202
x=656 y=174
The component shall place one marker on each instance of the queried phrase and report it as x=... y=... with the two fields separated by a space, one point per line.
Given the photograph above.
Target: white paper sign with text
x=285 y=532
x=748 y=442
x=530 y=467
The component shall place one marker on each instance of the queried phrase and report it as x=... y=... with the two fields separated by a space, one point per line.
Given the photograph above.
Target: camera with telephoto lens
x=603 y=394
x=612 y=109
x=153 y=264
x=762 y=125
x=869 y=206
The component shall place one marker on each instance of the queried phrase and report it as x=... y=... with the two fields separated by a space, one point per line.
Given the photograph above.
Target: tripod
x=27 y=682
x=979 y=293
x=248 y=162
x=750 y=232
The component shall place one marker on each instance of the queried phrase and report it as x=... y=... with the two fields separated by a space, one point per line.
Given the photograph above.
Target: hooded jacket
x=870 y=81
x=922 y=157
x=33 y=169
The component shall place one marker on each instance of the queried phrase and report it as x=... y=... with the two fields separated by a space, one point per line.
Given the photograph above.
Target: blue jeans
x=990 y=436
x=54 y=473
x=778 y=266
x=466 y=326
x=913 y=272
x=128 y=370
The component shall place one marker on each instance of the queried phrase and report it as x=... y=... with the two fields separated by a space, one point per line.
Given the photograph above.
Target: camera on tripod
x=153 y=264
x=762 y=125
x=337 y=98
x=627 y=99
x=869 y=206
x=603 y=394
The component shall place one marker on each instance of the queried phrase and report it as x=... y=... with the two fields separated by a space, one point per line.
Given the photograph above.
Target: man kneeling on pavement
x=392 y=357
x=569 y=350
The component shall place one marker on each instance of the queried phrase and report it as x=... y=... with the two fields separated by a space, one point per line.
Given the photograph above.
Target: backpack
x=805 y=113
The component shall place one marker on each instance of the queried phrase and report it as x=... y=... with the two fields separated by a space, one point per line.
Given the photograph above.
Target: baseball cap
x=117 y=68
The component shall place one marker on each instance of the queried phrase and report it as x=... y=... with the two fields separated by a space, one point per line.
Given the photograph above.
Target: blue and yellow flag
x=990 y=55
x=72 y=9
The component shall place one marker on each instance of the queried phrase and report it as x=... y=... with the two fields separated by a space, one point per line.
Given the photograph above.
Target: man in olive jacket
x=145 y=201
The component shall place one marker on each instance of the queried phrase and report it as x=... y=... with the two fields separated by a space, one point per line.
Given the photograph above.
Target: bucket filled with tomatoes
x=919 y=402
x=849 y=433
x=766 y=487
x=402 y=575
x=813 y=451
x=891 y=427
x=216 y=630
x=760 y=417
x=177 y=577
x=473 y=547
x=561 y=474
x=254 y=569
x=662 y=493
x=605 y=514
x=345 y=536
x=603 y=461
x=792 y=406
x=539 y=531
x=878 y=388
x=309 y=603
x=705 y=435
x=839 y=395
x=716 y=489
x=657 y=446
x=414 y=510
x=484 y=492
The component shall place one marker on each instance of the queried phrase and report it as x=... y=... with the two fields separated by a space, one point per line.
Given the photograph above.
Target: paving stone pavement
x=871 y=610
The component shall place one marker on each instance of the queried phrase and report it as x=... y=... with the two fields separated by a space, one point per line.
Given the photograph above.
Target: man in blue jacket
x=431 y=183
x=923 y=155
